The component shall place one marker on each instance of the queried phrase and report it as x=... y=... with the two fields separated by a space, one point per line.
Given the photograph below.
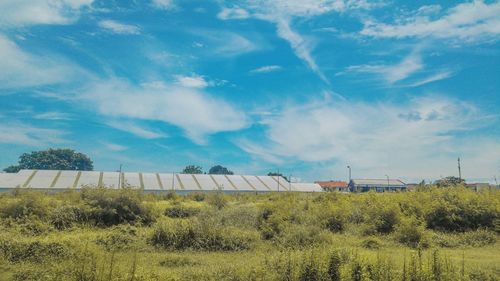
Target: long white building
x=154 y=182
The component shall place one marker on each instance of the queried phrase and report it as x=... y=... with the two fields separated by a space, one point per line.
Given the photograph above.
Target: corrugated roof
x=378 y=182
x=54 y=179
x=332 y=184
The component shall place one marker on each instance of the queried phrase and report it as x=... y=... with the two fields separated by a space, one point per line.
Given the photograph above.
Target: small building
x=378 y=185
x=480 y=186
x=333 y=185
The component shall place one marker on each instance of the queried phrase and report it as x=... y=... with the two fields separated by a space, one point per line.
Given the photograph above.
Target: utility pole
x=120 y=177
x=459 y=170
x=387 y=182
x=349 y=167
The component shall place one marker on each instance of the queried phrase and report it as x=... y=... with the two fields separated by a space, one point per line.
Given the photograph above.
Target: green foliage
x=118 y=238
x=192 y=169
x=372 y=243
x=36 y=251
x=108 y=207
x=53 y=159
x=219 y=170
x=450 y=182
x=179 y=211
x=411 y=233
x=200 y=235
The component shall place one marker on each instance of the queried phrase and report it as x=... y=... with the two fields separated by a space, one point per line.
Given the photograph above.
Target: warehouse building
x=150 y=182
x=378 y=185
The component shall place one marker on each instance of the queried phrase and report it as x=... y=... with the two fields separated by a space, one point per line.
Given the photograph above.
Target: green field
x=99 y=234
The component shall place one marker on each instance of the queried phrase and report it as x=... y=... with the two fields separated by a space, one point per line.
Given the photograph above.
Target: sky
x=304 y=87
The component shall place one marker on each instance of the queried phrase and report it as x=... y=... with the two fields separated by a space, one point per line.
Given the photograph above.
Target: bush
x=411 y=233
x=218 y=200
x=64 y=217
x=18 y=251
x=178 y=262
x=197 y=196
x=112 y=207
x=371 y=243
x=478 y=238
x=118 y=238
x=192 y=234
x=181 y=212
x=25 y=204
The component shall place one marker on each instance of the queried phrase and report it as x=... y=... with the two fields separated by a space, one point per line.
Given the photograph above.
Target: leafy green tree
x=450 y=181
x=53 y=159
x=273 y=174
x=220 y=170
x=192 y=169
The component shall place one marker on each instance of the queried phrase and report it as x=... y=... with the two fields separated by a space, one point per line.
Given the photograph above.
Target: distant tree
x=450 y=181
x=273 y=174
x=12 y=169
x=53 y=159
x=192 y=169
x=219 y=170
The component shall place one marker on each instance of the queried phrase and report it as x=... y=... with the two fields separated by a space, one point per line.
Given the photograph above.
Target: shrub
x=478 y=238
x=334 y=264
x=36 y=251
x=371 y=243
x=411 y=233
x=192 y=234
x=197 y=196
x=111 y=207
x=178 y=262
x=32 y=226
x=118 y=238
x=218 y=200
x=298 y=236
x=181 y=212
x=64 y=217
x=25 y=204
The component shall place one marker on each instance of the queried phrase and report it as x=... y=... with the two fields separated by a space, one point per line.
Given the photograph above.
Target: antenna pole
x=459 y=170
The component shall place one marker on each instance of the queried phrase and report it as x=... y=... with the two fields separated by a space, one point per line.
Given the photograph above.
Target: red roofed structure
x=333 y=185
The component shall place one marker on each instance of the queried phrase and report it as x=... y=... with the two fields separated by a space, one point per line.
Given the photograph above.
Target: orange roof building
x=333 y=185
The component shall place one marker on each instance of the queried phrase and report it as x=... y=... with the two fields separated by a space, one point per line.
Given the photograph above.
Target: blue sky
x=398 y=88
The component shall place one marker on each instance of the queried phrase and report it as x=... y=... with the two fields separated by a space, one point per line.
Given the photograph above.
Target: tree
x=52 y=159
x=219 y=170
x=192 y=169
x=273 y=174
x=450 y=181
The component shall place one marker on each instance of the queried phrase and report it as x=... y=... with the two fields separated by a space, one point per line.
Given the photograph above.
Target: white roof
x=55 y=179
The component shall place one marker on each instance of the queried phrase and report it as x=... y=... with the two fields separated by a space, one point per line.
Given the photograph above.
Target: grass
x=79 y=236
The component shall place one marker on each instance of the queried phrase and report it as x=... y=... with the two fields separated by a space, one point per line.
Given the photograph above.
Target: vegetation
x=101 y=234
x=52 y=159
x=219 y=170
x=192 y=169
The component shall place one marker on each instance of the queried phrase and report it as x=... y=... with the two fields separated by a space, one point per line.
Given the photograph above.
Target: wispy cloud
x=17 y=133
x=266 y=69
x=167 y=103
x=114 y=146
x=135 y=129
x=392 y=73
x=21 y=69
x=194 y=81
x=164 y=4
x=233 y=13
x=53 y=115
x=25 y=12
x=119 y=28
x=467 y=21
x=435 y=77
x=413 y=139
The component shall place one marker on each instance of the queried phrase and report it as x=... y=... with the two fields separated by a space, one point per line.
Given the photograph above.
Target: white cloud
x=415 y=140
x=24 y=134
x=233 y=13
x=197 y=113
x=20 y=69
x=392 y=73
x=282 y=13
x=114 y=146
x=119 y=28
x=164 y=4
x=266 y=69
x=53 y=115
x=28 y=12
x=441 y=75
x=194 y=81
x=136 y=130
x=466 y=21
